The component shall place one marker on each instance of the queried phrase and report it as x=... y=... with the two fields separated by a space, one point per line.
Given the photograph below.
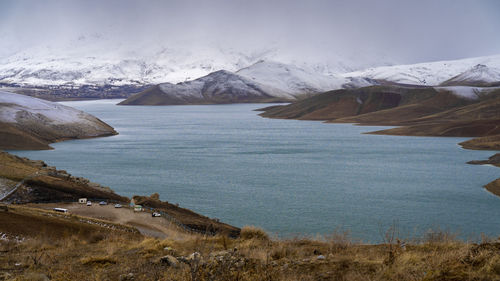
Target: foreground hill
x=72 y=247
x=31 y=123
x=219 y=87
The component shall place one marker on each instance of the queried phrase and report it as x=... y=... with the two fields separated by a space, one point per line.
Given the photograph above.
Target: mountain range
x=87 y=68
x=268 y=81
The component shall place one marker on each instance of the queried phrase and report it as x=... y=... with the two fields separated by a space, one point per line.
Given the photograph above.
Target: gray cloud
x=409 y=31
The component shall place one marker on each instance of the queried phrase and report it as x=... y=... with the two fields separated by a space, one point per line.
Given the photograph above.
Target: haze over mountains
x=96 y=60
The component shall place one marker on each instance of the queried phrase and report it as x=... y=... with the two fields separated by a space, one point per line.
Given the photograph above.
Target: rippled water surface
x=289 y=177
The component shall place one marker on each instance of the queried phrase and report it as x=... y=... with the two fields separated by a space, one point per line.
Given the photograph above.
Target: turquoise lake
x=289 y=177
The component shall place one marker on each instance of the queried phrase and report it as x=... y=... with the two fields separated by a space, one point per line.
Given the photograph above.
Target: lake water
x=289 y=177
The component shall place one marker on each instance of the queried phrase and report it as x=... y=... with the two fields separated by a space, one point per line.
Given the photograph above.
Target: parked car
x=118 y=205
x=89 y=203
x=156 y=214
x=102 y=203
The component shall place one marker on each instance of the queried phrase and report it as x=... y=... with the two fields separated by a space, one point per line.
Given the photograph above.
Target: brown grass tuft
x=253 y=232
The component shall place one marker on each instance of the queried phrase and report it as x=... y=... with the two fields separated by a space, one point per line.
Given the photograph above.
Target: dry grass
x=255 y=256
x=252 y=232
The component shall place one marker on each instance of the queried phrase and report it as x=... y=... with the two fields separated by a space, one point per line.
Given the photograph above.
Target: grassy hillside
x=71 y=251
x=12 y=138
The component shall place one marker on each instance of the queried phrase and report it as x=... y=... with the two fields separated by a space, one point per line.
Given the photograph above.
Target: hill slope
x=31 y=123
x=219 y=87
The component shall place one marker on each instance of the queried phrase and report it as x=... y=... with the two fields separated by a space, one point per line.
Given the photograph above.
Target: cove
x=290 y=177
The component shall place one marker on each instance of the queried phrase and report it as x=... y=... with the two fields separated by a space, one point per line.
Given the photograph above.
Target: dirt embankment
x=38 y=182
x=187 y=217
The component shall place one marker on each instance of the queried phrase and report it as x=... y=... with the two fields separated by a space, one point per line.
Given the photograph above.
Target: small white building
x=137 y=208
x=82 y=200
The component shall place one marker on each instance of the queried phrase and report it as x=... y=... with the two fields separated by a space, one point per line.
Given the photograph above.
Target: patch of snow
x=466 y=91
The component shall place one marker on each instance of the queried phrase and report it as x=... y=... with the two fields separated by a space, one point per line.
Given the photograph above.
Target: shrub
x=253 y=232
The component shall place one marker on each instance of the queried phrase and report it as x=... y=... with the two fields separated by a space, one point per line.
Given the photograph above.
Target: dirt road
x=151 y=226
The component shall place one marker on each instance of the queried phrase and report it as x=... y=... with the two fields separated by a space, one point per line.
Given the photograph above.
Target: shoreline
x=486 y=143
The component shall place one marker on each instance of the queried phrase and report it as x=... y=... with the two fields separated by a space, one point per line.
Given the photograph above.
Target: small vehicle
x=103 y=203
x=89 y=203
x=118 y=205
x=61 y=210
x=156 y=214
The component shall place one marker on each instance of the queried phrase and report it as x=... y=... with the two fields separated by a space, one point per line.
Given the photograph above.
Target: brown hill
x=375 y=104
x=31 y=123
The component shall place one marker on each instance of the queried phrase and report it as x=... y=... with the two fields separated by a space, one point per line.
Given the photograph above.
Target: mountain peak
x=480 y=75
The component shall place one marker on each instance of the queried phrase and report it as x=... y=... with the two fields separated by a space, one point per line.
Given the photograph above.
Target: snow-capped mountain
x=217 y=87
x=290 y=78
x=427 y=74
x=479 y=75
x=97 y=59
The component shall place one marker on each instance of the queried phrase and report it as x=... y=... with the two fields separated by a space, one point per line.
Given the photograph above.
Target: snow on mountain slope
x=425 y=74
x=479 y=75
x=217 y=87
x=49 y=118
x=97 y=59
x=468 y=92
x=290 y=78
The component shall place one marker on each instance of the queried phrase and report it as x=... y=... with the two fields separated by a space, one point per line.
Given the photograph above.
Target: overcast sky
x=411 y=31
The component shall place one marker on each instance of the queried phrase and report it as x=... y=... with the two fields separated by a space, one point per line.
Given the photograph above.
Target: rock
x=169 y=261
x=321 y=257
x=194 y=257
x=127 y=277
